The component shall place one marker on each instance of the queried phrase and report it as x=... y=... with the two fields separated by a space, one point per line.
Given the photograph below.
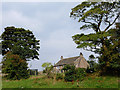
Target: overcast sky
x=51 y=24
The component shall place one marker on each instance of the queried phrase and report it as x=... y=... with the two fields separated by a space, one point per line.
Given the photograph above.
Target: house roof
x=66 y=61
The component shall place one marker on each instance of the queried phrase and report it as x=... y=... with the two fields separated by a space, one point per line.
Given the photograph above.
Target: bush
x=14 y=67
x=50 y=75
x=67 y=67
x=69 y=73
x=93 y=67
x=59 y=76
x=69 y=77
x=44 y=71
x=80 y=74
x=73 y=74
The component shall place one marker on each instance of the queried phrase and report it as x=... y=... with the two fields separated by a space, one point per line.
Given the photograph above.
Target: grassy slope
x=90 y=81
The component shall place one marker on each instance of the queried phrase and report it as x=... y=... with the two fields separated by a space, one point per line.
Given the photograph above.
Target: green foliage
x=68 y=67
x=91 y=57
x=93 y=15
x=18 y=46
x=103 y=41
x=69 y=73
x=93 y=67
x=48 y=69
x=73 y=74
x=59 y=76
x=21 y=42
x=14 y=67
x=39 y=82
x=44 y=71
x=80 y=74
x=46 y=65
x=109 y=60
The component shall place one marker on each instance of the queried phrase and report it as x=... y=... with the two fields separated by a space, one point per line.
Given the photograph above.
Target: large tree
x=18 y=46
x=99 y=17
x=21 y=42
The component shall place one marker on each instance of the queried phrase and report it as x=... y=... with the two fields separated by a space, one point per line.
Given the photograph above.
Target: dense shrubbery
x=93 y=67
x=59 y=76
x=70 y=75
x=73 y=74
x=80 y=74
x=14 y=67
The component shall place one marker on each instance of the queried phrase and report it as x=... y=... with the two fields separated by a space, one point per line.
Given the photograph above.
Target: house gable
x=81 y=63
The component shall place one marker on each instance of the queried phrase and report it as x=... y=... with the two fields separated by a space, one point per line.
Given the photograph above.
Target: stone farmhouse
x=78 y=62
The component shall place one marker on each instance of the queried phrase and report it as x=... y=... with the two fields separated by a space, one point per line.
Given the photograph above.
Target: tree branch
x=98 y=28
x=111 y=24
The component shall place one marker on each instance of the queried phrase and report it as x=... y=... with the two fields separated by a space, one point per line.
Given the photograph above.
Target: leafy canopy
x=93 y=16
x=46 y=65
x=73 y=74
x=99 y=17
x=21 y=42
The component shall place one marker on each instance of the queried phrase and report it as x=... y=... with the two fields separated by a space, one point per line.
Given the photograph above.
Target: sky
x=50 y=22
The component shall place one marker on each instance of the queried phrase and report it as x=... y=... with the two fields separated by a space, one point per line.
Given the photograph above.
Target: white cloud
x=15 y=18
x=51 y=24
x=42 y=0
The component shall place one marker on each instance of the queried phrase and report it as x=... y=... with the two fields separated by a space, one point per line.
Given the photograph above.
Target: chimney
x=81 y=54
x=61 y=57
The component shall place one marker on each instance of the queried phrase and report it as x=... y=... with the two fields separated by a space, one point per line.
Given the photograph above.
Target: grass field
x=90 y=81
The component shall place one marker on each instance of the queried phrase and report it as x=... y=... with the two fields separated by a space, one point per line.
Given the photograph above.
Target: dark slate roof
x=66 y=61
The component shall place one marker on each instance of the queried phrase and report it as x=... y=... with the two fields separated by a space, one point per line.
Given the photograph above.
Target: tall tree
x=18 y=46
x=21 y=42
x=94 y=16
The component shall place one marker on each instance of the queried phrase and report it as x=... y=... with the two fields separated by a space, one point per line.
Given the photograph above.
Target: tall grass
x=90 y=81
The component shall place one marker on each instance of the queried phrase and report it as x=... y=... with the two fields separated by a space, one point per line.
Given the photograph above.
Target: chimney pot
x=81 y=54
x=61 y=57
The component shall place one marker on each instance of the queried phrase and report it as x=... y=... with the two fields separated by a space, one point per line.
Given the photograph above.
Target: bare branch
x=111 y=24
x=98 y=28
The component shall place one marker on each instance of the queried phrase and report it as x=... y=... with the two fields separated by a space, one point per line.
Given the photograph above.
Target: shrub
x=50 y=75
x=67 y=67
x=73 y=74
x=69 y=73
x=80 y=74
x=14 y=67
x=93 y=67
x=59 y=76
x=44 y=71
x=69 y=78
